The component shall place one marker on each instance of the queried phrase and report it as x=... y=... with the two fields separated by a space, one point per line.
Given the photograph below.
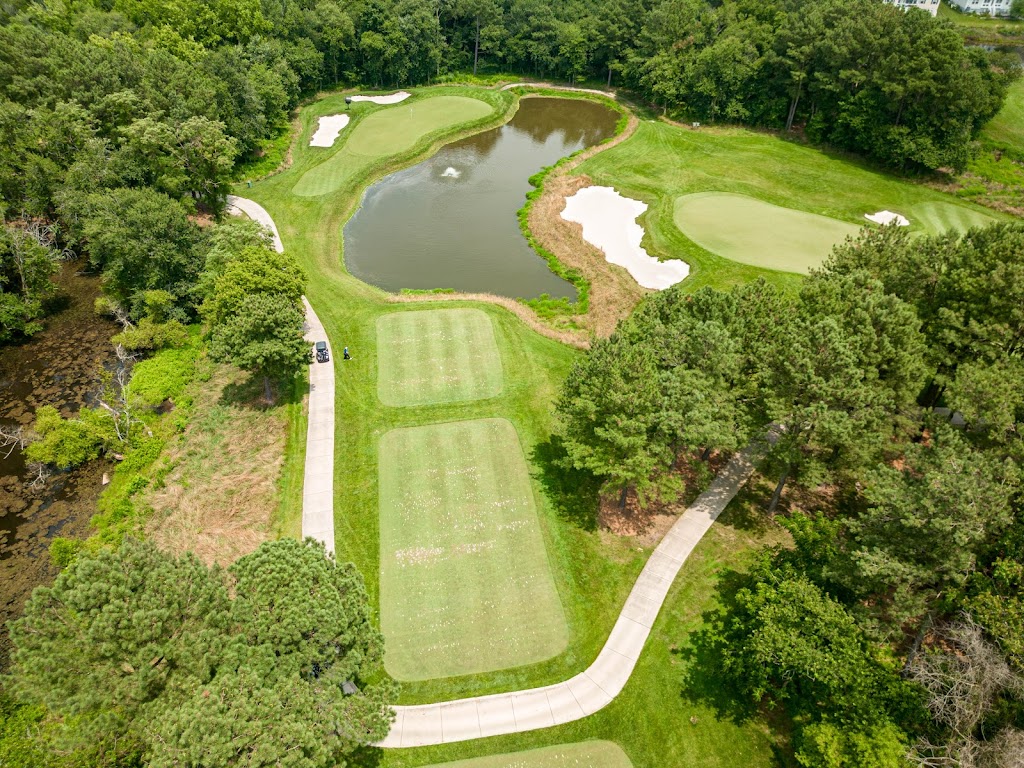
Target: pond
x=450 y=221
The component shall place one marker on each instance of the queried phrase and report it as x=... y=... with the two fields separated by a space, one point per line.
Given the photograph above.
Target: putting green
x=387 y=133
x=465 y=585
x=437 y=356
x=751 y=231
x=584 y=754
x=936 y=218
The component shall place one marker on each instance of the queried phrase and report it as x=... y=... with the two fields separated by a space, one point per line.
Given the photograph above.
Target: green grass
x=751 y=231
x=437 y=356
x=975 y=22
x=663 y=162
x=386 y=133
x=936 y=218
x=587 y=754
x=1007 y=127
x=465 y=582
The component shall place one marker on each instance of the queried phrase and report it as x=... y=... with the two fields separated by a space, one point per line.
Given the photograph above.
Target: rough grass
x=216 y=486
x=663 y=162
x=465 y=582
x=586 y=754
x=437 y=356
x=754 y=232
x=385 y=133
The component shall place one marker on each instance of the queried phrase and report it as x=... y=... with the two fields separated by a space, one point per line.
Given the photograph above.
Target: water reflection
x=450 y=221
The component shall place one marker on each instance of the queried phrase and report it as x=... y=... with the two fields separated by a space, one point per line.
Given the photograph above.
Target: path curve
x=256 y=212
x=602 y=681
x=318 y=475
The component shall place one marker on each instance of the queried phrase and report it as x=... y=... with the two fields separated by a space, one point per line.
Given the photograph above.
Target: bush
x=68 y=443
x=825 y=745
x=149 y=335
x=164 y=375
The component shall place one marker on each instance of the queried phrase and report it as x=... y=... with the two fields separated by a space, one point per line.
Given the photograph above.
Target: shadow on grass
x=574 y=493
x=706 y=681
x=365 y=757
x=250 y=393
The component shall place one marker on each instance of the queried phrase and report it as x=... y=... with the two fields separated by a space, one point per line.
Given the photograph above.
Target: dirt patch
x=613 y=292
x=649 y=522
x=219 y=493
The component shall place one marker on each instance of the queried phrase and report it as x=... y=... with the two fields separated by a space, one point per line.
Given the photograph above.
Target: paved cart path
x=603 y=680
x=318 y=480
x=535 y=708
x=256 y=212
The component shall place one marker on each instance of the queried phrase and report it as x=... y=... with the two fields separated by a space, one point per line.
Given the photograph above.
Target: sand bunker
x=394 y=98
x=887 y=217
x=327 y=130
x=609 y=222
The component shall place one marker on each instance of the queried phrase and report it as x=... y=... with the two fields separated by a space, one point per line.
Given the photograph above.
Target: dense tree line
x=894 y=379
x=150 y=659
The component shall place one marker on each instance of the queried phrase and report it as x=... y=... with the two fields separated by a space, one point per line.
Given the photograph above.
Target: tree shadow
x=706 y=681
x=365 y=757
x=574 y=493
x=748 y=510
x=249 y=393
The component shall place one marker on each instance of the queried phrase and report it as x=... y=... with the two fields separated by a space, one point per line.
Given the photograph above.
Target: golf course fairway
x=670 y=713
x=587 y=754
x=437 y=356
x=465 y=582
x=751 y=231
x=386 y=133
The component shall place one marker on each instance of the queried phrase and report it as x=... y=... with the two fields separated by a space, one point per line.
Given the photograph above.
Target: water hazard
x=56 y=367
x=450 y=221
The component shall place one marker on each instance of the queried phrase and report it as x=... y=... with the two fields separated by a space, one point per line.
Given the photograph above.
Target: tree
x=141 y=651
x=264 y=336
x=253 y=270
x=1017 y=9
x=27 y=265
x=608 y=410
x=141 y=240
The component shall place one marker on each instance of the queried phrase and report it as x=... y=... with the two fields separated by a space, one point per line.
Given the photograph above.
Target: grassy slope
x=1007 y=128
x=663 y=162
x=462 y=558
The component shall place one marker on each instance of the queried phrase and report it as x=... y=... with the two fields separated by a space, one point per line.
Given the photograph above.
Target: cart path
x=256 y=212
x=602 y=681
x=318 y=482
x=535 y=708
x=318 y=478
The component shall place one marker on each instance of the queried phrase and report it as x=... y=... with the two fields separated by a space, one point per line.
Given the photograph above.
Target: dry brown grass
x=613 y=292
x=220 y=495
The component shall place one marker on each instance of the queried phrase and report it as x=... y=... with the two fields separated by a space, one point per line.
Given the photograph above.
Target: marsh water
x=58 y=367
x=450 y=221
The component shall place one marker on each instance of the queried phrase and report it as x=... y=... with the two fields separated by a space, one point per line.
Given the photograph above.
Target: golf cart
x=322 y=355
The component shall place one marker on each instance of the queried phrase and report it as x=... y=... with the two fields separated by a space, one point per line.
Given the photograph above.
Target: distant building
x=932 y=6
x=986 y=7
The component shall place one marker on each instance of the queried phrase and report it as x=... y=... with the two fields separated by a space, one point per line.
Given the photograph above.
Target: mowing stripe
x=437 y=356
x=465 y=582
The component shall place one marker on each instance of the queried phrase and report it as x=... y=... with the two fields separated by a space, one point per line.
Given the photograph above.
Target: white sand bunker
x=451 y=173
x=609 y=222
x=327 y=130
x=887 y=217
x=394 y=98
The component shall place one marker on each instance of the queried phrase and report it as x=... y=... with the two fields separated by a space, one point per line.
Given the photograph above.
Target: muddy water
x=56 y=367
x=450 y=221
